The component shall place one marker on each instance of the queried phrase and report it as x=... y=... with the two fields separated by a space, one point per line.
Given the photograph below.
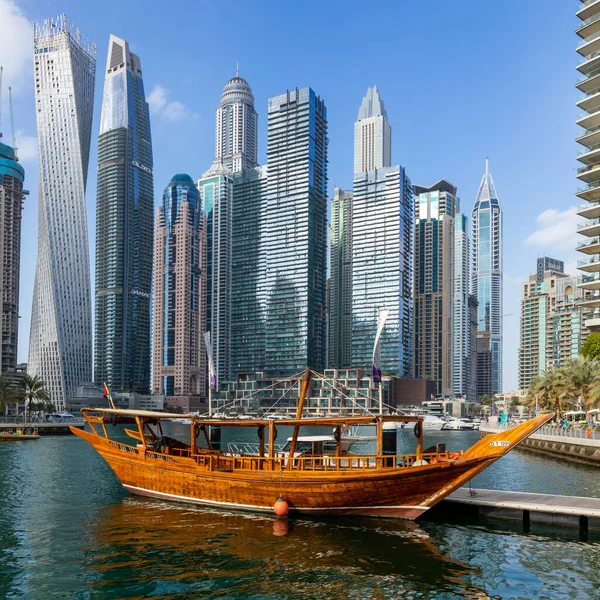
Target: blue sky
x=460 y=80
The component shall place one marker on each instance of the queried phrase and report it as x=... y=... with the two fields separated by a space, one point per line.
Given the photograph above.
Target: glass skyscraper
x=60 y=347
x=294 y=234
x=372 y=134
x=179 y=363
x=12 y=193
x=435 y=208
x=487 y=283
x=382 y=268
x=124 y=227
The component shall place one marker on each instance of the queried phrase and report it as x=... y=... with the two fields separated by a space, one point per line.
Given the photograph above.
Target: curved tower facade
x=237 y=127
x=124 y=227
x=487 y=285
x=179 y=296
x=60 y=346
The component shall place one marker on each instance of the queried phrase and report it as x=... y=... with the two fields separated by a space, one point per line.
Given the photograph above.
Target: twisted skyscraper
x=60 y=347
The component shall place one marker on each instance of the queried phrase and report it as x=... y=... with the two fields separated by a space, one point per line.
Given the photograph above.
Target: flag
x=382 y=315
x=107 y=396
x=212 y=376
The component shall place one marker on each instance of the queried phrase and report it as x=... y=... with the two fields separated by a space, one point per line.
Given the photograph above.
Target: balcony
x=590 y=137
x=590 y=120
x=590 y=45
x=589 y=82
x=591 y=265
x=589 y=210
x=590 y=282
x=591 y=25
x=590 y=155
x=591 y=247
x=589 y=174
x=590 y=101
x=591 y=192
x=590 y=64
x=591 y=301
x=587 y=10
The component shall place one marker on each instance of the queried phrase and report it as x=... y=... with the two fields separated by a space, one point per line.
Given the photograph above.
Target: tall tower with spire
x=372 y=134
x=487 y=285
x=237 y=126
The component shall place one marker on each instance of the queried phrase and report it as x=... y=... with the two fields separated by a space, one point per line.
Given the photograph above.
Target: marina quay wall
x=571 y=443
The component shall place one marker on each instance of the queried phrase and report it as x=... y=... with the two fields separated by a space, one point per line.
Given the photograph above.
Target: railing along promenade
x=572 y=430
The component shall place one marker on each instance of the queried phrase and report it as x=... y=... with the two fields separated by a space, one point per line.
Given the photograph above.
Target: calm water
x=68 y=530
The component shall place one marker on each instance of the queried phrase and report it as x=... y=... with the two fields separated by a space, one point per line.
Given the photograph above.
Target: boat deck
x=550 y=509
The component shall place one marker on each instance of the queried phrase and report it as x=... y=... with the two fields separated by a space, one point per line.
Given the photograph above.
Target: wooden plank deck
x=565 y=511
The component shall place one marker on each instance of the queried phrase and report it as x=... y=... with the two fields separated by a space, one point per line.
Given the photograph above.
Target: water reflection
x=145 y=545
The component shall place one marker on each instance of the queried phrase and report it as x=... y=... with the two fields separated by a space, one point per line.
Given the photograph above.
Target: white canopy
x=575 y=412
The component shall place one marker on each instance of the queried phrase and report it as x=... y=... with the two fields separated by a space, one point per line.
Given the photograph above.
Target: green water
x=68 y=530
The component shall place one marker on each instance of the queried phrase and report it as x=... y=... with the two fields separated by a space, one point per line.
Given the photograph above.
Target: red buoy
x=281 y=507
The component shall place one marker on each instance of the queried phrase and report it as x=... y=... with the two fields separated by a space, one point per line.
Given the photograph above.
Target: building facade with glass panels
x=60 y=345
x=179 y=355
x=247 y=270
x=295 y=234
x=124 y=227
x=12 y=176
x=340 y=281
x=382 y=268
x=487 y=279
x=434 y=273
x=372 y=134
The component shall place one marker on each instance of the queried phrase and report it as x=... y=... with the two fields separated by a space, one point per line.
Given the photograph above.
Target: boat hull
x=18 y=438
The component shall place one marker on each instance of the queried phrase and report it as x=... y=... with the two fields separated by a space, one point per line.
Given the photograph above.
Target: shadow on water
x=144 y=547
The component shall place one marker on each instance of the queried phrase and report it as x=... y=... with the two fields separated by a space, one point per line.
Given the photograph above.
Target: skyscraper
x=237 y=127
x=124 y=226
x=434 y=279
x=295 y=233
x=545 y=263
x=179 y=355
x=589 y=172
x=461 y=326
x=340 y=283
x=382 y=268
x=487 y=281
x=12 y=193
x=60 y=347
x=372 y=134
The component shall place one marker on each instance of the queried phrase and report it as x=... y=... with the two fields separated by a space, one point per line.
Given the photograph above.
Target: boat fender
x=588 y=432
x=454 y=456
x=281 y=507
x=261 y=432
x=417 y=430
x=337 y=434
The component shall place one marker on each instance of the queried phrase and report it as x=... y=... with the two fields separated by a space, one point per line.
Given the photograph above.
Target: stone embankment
x=577 y=443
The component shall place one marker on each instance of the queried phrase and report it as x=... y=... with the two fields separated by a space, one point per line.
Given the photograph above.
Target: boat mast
x=304 y=389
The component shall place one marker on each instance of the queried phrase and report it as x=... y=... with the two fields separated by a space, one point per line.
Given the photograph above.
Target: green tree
x=582 y=379
x=485 y=400
x=9 y=394
x=34 y=391
x=591 y=348
x=550 y=388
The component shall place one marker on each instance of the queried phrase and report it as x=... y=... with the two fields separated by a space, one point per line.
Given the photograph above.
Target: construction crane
x=12 y=124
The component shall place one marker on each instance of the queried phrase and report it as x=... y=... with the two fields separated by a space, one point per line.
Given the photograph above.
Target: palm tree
x=34 y=389
x=550 y=389
x=9 y=394
x=582 y=376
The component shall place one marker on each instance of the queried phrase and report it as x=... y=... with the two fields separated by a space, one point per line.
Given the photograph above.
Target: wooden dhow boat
x=333 y=483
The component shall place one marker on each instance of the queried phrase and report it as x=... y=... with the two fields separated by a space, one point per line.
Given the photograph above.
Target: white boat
x=456 y=424
x=430 y=422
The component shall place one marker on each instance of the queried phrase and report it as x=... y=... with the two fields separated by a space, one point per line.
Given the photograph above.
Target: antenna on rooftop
x=237 y=68
x=12 y=123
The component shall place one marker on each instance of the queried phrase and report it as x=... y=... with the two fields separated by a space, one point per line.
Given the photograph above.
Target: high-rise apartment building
x=12 y=176
x=237 y=127
x=545 y=263
x=295 y=233
x=372 y=134
x=487 y=281
x=434 y=279
x=463 y=347
x=382 y=209
x=60 y=347
x=179 y=355
x=589 y=173
x=247 y=265
x=124 y=227
x=340 y=282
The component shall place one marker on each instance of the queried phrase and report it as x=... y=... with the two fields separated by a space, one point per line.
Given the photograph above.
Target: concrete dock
x=46 y=428
x=549 y=509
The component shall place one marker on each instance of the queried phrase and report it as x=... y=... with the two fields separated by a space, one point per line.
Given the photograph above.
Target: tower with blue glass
x=124 y=227
x=12 y=176
x=179 y=357
x=487 y=285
